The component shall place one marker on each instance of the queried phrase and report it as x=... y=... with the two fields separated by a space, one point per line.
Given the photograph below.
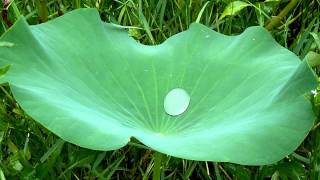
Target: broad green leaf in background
x=316 y=39
x=233 y=8
x=313 y=59
x=93 y=85
x=3 y=70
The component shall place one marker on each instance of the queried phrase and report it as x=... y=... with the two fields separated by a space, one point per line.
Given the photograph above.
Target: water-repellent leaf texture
x=94 y=86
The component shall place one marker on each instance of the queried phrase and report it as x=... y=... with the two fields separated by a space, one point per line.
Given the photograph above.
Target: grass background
x=28 y=151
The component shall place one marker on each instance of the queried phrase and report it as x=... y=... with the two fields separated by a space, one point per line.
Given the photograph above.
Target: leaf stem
x=157 y=167
x=216 y=171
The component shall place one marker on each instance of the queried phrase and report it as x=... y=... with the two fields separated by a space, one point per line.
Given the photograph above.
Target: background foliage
x=28 y=151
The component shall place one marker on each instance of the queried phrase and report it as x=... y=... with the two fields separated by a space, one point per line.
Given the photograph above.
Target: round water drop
x=176 y=101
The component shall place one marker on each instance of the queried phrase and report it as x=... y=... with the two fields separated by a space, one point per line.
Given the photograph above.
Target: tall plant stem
x=42 y=10
x=275 y=21
x=157 y=167
x=5 y=13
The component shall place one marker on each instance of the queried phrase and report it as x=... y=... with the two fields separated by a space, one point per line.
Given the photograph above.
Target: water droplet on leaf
x=176 y=102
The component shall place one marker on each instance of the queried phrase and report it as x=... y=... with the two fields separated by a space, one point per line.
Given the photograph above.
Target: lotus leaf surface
x=93 y=85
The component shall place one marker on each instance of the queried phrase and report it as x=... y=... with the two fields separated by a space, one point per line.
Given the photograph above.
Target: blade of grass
x=201 y=11
x=58 y=144
x=2 y=177
x=144 y=22
x=112 y=168
x=190 y=169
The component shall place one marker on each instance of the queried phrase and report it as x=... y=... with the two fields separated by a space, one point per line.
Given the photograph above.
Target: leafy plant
x=247 y=93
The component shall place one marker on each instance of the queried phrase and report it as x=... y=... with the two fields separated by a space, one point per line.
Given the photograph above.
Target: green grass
x=28 y=151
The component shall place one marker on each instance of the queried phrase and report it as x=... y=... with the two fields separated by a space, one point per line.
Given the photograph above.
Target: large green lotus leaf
x=93 y=85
